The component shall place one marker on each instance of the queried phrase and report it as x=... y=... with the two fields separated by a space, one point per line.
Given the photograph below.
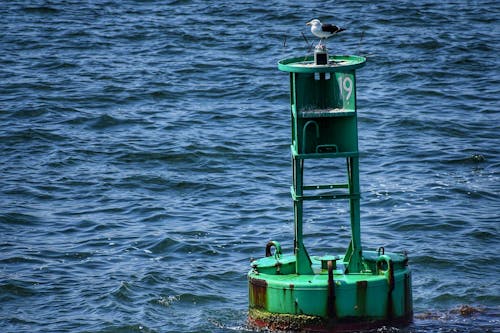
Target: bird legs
x=321 y=45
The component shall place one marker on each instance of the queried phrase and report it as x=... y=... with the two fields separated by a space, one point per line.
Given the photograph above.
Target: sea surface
x=144 y=157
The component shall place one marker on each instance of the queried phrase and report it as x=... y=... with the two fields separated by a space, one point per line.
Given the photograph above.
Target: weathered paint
x=361 y=289
x=258 y=293
x=332 y=294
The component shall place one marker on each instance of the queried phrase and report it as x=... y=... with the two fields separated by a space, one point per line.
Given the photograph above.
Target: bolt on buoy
x=359 y=289
x=320 y=55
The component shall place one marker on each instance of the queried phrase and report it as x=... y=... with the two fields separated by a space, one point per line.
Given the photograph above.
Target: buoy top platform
x=335 y=63
x=327 y=292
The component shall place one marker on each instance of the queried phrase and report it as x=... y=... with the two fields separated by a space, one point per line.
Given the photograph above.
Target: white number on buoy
x=345 y=84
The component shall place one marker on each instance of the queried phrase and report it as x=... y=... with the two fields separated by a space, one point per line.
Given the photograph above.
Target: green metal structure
x=356 y=290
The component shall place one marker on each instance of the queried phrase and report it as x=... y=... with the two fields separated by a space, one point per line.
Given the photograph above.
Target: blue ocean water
x=145 y=159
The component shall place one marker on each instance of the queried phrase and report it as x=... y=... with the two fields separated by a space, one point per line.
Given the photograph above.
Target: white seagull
x=323 y=31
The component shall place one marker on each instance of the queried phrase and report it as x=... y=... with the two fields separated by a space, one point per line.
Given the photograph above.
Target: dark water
x=144 y=157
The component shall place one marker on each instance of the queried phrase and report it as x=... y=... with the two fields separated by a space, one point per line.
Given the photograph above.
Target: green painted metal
x=354 y=290
x=288 y=292
x=336 y=63
x=324 y=125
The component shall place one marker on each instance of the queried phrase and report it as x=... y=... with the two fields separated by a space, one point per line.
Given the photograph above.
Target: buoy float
x=329 y=293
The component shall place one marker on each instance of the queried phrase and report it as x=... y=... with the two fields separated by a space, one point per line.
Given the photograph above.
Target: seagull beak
x=309 y=23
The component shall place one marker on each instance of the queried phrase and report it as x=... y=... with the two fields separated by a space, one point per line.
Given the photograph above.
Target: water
x=145 y=157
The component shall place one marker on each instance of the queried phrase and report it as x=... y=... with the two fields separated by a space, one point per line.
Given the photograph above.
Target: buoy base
x=331 y=299
x=262 y=320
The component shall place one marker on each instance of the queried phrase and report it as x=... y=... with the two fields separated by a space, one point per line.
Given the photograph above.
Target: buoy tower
x=331 y=292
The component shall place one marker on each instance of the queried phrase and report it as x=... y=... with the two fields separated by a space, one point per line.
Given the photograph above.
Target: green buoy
x=356 y=290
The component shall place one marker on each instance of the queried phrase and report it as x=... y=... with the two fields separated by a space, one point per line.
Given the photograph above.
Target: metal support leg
x=303 y=262
x=353 y=255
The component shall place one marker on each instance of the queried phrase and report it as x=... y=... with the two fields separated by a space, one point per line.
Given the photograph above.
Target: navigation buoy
x=334 y=292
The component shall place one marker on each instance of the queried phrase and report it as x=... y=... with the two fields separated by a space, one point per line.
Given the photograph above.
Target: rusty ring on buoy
x=277 y=251
x=389 y=269
x=381 y=249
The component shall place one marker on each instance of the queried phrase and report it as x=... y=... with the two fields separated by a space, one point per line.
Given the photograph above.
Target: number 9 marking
x=345 y=84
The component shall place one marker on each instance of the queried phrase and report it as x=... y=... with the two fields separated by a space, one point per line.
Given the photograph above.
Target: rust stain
x=258 y=293
x=408 y=301
x=391 y=275
x=278 y=267
x=361 y=287
x=331 y=310
x=390 y=306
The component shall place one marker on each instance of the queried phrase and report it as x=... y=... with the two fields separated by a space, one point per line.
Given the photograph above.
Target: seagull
x=323 y=31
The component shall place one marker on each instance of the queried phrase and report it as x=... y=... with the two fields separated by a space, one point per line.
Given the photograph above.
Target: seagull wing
x=333 y=29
